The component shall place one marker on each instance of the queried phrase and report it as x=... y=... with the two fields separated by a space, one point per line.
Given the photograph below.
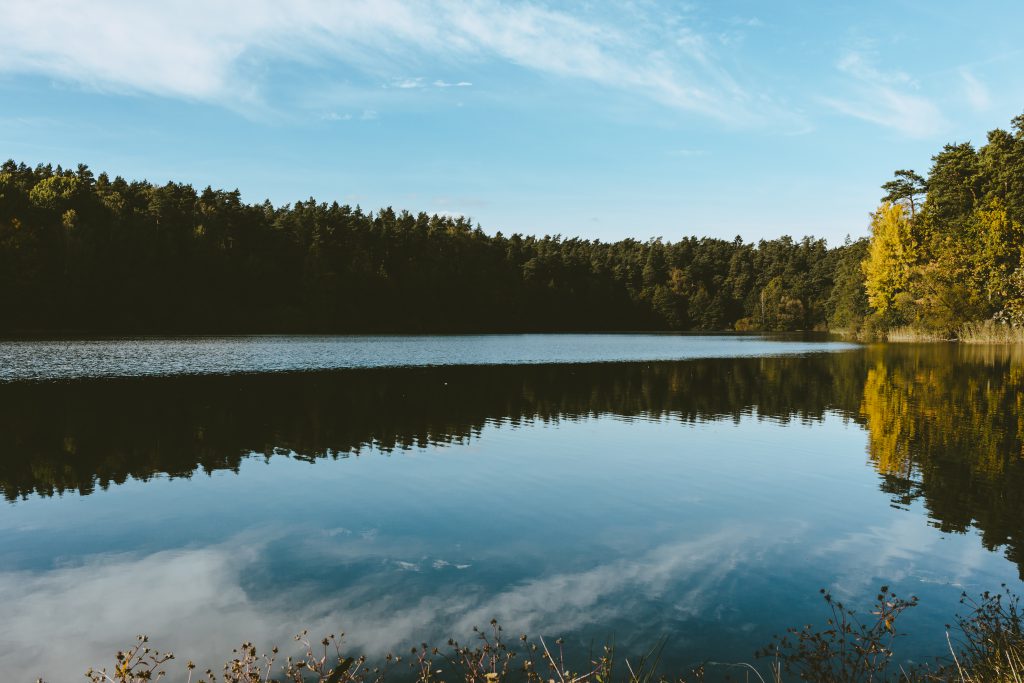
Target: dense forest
x=86 y=253
x=947 y=249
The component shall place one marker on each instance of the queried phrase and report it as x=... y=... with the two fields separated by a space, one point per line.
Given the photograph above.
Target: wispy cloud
x=886 y=98
x=975 y=92
x=216 y=53
x=408 y=83
x=421 y=82
x=856 y=64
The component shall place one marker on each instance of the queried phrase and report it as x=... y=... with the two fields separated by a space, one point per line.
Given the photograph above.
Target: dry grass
x=991 y=640
x=913 y=334
x=990 y=332
x=490 y=659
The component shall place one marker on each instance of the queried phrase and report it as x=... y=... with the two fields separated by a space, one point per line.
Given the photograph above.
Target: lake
x=699 y=489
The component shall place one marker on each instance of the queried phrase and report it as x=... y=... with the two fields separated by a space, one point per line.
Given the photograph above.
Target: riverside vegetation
x=950 y=265
x=851 y=648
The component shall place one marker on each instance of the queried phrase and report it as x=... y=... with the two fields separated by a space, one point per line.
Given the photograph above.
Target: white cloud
x=214 y=51
x=885 y=98
x=408 y=83
x=420 y=82
x=975 y=92
x=913 y=116
x=857 y=65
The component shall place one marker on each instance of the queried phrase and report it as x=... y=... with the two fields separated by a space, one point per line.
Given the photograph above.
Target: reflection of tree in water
x=945 y=424
x=73 y=436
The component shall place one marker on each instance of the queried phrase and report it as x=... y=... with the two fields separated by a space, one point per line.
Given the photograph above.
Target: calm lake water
x=405 y=489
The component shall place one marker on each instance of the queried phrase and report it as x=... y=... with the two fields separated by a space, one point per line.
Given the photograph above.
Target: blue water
x=703 y=500
x=21 y=360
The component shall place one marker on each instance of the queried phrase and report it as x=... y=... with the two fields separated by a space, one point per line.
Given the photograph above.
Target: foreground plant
x=140 y=664
x=852 y=648
x=991 y=639
x=490 y=660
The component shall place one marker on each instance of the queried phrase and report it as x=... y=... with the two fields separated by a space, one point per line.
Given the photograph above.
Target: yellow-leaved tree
x=997 y=252
x=892 y=253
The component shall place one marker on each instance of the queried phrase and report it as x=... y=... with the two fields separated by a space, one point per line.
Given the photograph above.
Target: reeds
x=914 y=334
x=990 y=332
x=979 y=332
x=991 y=639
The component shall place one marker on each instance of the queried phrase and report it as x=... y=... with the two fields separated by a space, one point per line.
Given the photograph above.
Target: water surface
x=705 y=500
x=62 y=359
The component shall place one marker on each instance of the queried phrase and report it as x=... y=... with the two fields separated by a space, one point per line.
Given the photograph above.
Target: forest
x=946 y=250
x=84 y=253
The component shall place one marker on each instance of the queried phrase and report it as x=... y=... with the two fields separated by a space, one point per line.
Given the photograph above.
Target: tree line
x=81 y=252
x=86 y=253
x=947 y=249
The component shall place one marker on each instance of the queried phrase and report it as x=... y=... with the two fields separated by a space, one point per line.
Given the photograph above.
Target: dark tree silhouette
x=86 y=253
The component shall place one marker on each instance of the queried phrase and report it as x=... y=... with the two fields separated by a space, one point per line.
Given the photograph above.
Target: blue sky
x=604 y=120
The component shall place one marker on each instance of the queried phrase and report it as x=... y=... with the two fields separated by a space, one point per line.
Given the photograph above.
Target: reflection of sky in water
x=716 y=534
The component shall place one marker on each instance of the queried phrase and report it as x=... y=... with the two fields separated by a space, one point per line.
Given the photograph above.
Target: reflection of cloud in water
x=193 y=602
x=564 y=602
x=901 y=550
x=188 y=600
x=199 y=603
